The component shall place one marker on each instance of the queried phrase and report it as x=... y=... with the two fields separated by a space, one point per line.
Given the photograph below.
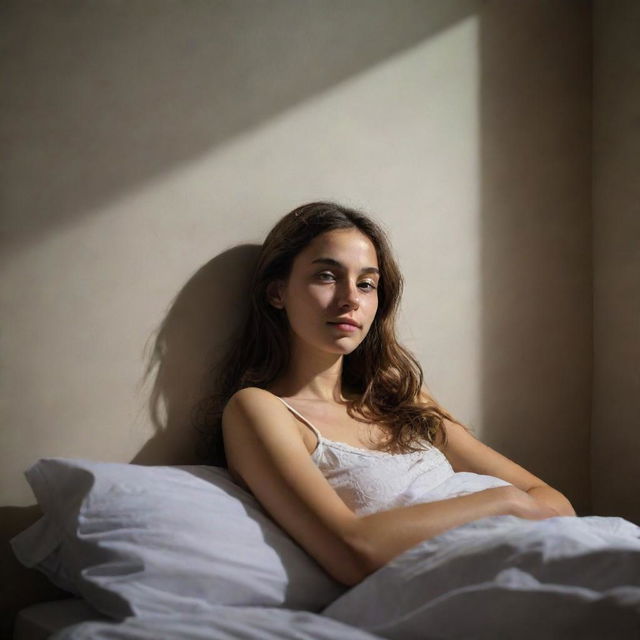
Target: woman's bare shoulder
x=252 y=400
x=253 y=392
x=257 y=409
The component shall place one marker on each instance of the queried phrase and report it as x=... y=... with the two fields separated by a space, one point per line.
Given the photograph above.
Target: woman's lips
x=344 y=326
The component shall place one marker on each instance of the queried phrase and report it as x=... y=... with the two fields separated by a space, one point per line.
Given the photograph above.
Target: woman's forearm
x=381 y=536
x=552 y=498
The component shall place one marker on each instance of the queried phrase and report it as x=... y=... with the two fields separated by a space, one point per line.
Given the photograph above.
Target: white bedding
x=221 y=623
x=499 y=577
x=505 y=577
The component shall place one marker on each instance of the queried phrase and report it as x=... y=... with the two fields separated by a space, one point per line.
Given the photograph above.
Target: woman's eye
x=326 y=276
x=369 y=286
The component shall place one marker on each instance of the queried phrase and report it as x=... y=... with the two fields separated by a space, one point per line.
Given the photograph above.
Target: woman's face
x=331 y=295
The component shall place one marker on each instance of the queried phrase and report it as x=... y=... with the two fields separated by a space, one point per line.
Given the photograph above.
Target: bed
x=184 y=552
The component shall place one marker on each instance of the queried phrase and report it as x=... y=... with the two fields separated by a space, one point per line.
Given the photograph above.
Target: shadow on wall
x=190 y=340
x=113 y=94
x=535 y=226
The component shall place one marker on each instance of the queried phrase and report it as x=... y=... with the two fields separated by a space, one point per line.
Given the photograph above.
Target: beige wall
x=148 y=140
x=615 y=435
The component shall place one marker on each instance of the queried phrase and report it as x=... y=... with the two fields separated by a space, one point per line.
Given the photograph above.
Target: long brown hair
x=383 y=381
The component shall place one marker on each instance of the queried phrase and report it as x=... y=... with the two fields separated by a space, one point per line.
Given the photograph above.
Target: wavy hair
x=381 y=379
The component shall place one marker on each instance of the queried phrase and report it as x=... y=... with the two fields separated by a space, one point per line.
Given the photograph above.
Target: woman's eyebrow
x=335 y=263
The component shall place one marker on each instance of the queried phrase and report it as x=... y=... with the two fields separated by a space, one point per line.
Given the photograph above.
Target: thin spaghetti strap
x=318 y=434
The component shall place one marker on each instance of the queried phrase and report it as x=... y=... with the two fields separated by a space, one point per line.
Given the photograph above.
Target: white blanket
x=505 y=577
x=221 y=623
x=497 y=578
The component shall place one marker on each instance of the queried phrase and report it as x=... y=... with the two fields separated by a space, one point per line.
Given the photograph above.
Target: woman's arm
x=265 y=449
x=381 y=536
x=553 y=498
x=384 y=535
x=467 y=453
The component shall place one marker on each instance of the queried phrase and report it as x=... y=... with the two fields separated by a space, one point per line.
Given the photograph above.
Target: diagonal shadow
x=100 y=97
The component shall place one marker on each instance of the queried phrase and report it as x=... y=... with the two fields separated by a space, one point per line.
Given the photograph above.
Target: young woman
x=324 y=417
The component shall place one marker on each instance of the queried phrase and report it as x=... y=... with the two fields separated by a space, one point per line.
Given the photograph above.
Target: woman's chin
x=345 y=347
x=339 y=346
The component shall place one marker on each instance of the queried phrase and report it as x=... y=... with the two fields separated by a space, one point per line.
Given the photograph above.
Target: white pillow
x=133 y=540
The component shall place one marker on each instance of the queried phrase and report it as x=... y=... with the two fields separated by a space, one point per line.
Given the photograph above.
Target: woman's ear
x=275 y=296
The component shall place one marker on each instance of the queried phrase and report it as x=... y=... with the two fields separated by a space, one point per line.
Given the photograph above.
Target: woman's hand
x=522 y=505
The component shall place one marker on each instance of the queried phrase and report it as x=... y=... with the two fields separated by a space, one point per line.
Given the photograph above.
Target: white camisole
x=369 y=481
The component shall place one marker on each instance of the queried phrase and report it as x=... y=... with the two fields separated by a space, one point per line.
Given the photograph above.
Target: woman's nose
x=350 y=296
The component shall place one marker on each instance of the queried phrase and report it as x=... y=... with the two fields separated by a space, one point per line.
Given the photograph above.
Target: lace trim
x=366 y=452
